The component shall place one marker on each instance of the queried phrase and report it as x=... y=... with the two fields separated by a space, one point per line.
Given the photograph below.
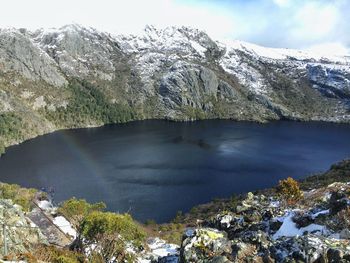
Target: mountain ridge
x=76 y=76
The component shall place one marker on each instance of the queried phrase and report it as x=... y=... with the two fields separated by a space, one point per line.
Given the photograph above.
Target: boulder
x=204 y=245
x=337 y=202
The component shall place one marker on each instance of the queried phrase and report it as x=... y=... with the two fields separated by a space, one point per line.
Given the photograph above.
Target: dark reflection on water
x=155 y=168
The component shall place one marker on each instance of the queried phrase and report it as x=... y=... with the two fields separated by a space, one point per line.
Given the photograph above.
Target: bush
x=97 y=223
x=289 y=190
x=56 y=255
x=20 y=196
x=111 y=234
x=75 y=210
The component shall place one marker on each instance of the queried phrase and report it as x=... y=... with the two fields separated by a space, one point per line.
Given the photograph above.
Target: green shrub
x=112 y=234
x=97 y=223
x=20 y=196
x=75 y=210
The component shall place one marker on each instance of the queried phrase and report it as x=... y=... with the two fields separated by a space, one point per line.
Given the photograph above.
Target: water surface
x=152 y=169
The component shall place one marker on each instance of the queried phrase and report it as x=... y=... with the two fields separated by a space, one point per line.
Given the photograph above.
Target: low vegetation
x=111 y=235
x=339 y=172
x=77 y=209
x=19 y=195
x=107 y=235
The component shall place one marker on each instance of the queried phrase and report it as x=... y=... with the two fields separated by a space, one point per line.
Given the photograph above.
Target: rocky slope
x=264 y=229
x=79 y=77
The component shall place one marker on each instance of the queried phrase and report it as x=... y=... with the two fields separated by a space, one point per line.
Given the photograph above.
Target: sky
x=317 y=25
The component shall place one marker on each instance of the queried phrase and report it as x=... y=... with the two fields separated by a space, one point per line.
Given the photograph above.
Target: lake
x=153 y=169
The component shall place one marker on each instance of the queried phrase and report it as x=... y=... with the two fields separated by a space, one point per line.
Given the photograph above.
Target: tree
x=289 y=190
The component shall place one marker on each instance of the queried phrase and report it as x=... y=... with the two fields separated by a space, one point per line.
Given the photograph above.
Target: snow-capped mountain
x=174 y=73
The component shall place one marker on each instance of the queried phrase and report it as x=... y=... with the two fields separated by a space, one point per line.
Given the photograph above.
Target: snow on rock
x=45 y=205
x=323 y=212
x=65 y=226
x=289 y=228
x=161 y=249
x=283 y=53
x=275 y=204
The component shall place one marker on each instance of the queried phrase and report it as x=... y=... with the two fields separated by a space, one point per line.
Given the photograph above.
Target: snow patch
x=161 y=249
x=289 y=228
x=323 y=212
x=65 y=226
x=45 y=205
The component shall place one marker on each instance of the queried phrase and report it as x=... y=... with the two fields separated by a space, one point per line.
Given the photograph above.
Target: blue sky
x=302 y=24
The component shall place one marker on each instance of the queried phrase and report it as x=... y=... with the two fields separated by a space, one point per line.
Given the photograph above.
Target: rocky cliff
x=79 y=77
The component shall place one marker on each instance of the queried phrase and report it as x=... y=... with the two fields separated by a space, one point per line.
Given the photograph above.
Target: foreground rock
x=264 y=230
x=21 y=234
x=205 y=245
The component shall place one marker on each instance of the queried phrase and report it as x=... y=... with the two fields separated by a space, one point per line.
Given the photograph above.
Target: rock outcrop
x=21 y=234
x=262 y=229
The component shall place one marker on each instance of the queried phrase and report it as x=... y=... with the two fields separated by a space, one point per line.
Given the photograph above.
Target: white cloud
x=276 y=23
x=125 y=16
x=315 y=20
x=282 y=3
x=330 y=49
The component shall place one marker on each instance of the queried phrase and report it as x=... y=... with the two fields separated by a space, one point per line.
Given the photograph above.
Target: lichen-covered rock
x=21 y=233
x=205 y=245
x=262 y=229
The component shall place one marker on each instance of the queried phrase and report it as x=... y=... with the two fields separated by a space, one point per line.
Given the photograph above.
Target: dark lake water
x=155 y=168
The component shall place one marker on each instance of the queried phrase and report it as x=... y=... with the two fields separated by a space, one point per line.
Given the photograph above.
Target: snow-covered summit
x=285 y=53
x=182 y=40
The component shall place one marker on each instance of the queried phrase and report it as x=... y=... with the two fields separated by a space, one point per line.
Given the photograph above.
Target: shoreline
x=174 y=121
